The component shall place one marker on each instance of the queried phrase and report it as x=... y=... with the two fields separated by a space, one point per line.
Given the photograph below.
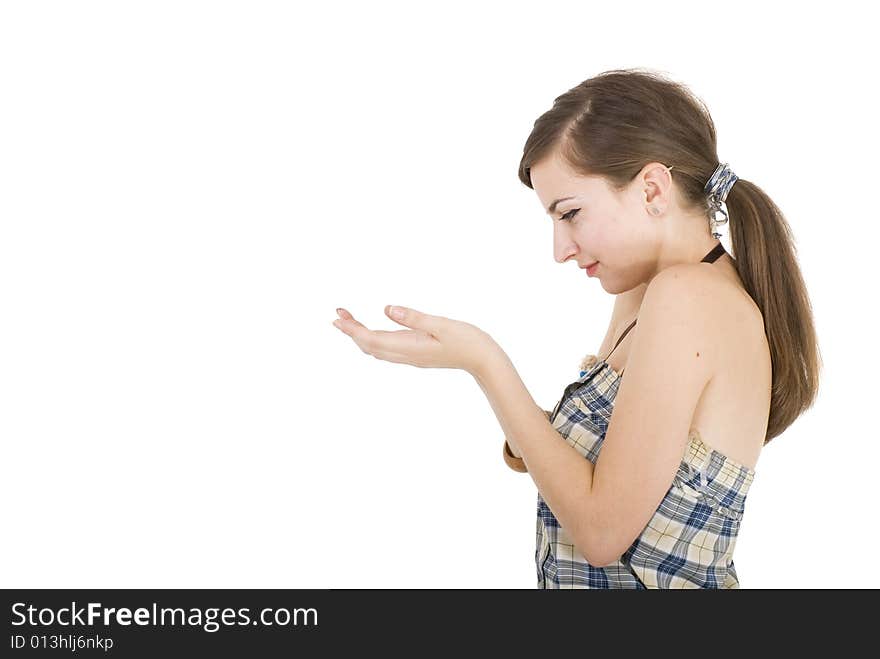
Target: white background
x=188 y=190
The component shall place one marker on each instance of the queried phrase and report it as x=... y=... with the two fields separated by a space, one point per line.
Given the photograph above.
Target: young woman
x=642 y=480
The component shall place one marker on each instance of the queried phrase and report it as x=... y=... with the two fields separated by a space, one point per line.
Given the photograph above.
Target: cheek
x=615 y=233
x=596 y=239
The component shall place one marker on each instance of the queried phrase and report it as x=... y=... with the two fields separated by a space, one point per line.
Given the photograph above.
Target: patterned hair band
x=717 y=188
x=720 y=182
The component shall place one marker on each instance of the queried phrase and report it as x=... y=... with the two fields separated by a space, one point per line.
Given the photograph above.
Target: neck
x=684 y=250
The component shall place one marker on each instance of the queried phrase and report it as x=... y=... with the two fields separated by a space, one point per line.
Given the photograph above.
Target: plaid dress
x=689 y=541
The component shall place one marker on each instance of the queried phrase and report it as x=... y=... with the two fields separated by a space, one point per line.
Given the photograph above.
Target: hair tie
x=717 y=188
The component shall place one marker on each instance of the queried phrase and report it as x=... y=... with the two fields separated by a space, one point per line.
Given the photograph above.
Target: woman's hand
x=433 y=341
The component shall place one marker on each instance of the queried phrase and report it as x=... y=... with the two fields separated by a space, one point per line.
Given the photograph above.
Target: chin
x=609 y=286
x=616 y=287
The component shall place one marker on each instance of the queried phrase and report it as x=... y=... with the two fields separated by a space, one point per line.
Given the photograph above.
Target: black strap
x=631 y=325
x=713 y=255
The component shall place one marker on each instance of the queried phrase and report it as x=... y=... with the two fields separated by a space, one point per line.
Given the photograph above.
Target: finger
x=403 y=346
x=359 y=331
x=414 y=319
x=347 y=317
x=369 y=341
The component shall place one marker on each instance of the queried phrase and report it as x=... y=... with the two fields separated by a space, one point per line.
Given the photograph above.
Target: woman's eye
x=570 y=213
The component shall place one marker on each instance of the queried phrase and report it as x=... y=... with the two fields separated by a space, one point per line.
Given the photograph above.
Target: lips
x=589 y=265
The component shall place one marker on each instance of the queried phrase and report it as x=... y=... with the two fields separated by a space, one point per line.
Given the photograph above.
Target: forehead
x=553 y=179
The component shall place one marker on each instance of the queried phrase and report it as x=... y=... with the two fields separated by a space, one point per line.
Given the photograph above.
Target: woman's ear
x=657 y=185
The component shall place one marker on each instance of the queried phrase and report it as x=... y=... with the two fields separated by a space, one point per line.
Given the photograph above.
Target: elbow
x=598 y=548
x=599 y=556
x=602 y=560
x=598 y=536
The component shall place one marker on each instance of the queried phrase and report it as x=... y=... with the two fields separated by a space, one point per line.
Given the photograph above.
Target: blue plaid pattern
x=689 y=541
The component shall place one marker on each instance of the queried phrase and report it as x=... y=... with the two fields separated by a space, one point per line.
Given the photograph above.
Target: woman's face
x=600 y=224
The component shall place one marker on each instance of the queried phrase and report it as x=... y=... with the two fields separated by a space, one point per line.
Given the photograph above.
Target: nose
x=562 y=259
x=563 y=247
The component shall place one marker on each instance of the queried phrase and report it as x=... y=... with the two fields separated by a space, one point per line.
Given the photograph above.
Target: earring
x=653 y=210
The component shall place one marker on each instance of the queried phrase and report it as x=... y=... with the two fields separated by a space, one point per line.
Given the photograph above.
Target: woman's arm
x=513 y=460
x=626 y=307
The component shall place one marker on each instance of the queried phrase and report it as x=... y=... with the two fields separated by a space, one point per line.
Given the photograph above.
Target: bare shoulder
x=718 y=292
x=699 y=280
x=685 y=278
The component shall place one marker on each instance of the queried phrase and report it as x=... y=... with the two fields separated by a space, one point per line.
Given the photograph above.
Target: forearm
x=510 y=443
x=562 y=475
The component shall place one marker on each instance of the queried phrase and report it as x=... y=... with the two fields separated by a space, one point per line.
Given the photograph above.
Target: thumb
x=406 y=317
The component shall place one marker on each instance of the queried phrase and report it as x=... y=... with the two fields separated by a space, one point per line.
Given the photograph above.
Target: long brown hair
x=615 y=123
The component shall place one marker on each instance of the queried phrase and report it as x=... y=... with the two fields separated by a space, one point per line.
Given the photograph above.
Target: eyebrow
x=552 y=207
